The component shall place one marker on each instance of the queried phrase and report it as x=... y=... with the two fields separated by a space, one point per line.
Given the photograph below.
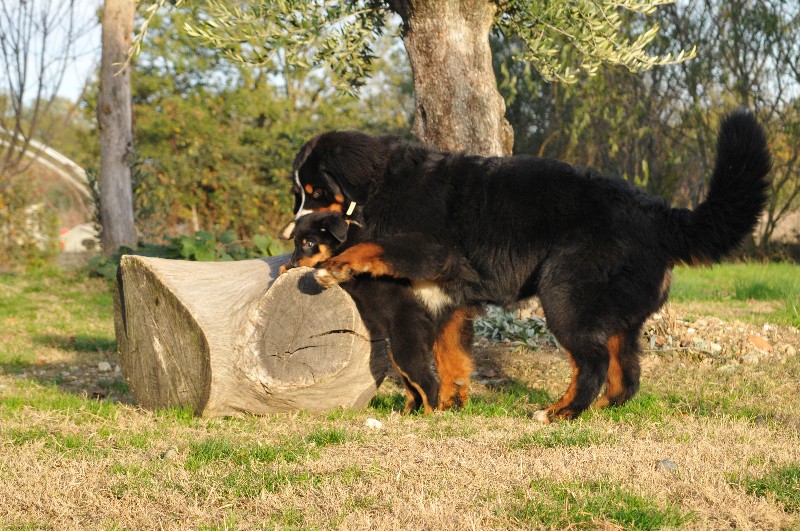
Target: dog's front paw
x=282 y=270
x=546 y=416
x=331 y=277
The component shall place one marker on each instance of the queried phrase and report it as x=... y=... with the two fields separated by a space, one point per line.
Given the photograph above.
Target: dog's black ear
x=337 y=227
x=355 y=161
x=287 y=233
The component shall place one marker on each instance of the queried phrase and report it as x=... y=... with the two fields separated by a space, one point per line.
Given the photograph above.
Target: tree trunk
x=458 y=106
x=228 y=338
x=114 y=121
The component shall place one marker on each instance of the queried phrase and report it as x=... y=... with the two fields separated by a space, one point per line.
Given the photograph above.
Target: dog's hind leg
x=589 y=367
x=411 y=339
x=420 y=391
x=581 y=331
x=624 y=371
x=453 y=361
x=413 y=398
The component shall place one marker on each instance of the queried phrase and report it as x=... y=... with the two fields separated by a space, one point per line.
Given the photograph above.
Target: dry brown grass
x=68 y=462
x=414 y=473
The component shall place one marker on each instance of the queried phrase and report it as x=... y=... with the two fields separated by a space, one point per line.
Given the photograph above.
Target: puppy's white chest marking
x=431 y=295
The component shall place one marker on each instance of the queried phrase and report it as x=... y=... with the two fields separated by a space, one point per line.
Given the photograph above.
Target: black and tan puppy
x=391 y=310
x=598 y=252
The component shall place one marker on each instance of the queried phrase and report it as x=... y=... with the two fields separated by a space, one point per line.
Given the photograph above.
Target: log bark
x=229 y=338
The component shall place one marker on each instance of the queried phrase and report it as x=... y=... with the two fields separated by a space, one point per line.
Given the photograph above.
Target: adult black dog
x=391 y=310
x=597 y=252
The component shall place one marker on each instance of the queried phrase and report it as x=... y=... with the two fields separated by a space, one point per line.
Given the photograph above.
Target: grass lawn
x=712 y=440
x=756 y=293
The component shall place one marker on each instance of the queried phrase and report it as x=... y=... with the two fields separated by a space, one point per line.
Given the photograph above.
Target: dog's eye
x=310 y=245
x=317 y=193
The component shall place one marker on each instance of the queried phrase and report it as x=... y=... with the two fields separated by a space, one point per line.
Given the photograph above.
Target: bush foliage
x=204 y=246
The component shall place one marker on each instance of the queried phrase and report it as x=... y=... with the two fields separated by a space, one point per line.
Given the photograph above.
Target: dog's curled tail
x=737 y=195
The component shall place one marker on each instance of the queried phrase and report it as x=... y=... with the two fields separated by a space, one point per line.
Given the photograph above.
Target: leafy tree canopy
x=561 y=38
x=215 y=138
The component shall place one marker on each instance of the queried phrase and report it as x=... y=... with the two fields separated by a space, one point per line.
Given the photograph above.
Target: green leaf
x=227 y=237
x=204 y=254
x=188 y=247
x=262 y=243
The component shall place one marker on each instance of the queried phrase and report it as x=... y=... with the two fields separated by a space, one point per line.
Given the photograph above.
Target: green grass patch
x=122 y=439
x=178 y=415
x=78 y=343
x=643 y=409
x=51 y=399
x=740 y=283
x=252 y=482
x=562 y=435
x=131 y=479
x=753 y=289
x=288 y=519
x=25 y=436
x=15 y=364
x=27 y=525
x=60 y=310
x=117 y=386
x=508 y=400
x=733 y=396
x=387 y=402
x=716 y=406
x=326 y=437
x=782 y=483
x=52 y=439
x=590 y=506
x=223 y=449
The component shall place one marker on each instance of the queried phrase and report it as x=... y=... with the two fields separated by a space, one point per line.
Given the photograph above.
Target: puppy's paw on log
x=327 y=278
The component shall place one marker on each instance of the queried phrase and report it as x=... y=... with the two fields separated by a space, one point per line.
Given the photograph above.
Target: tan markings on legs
x=453 y=364
x=614 y=380
x=426 y=407
x=557 y=410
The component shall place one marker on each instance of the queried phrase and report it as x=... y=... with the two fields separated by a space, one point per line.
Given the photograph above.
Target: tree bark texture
x=114 y=121
x=229 y=338
x=458 y=105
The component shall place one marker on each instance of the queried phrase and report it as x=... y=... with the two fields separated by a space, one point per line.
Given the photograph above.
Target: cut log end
x=227 y=338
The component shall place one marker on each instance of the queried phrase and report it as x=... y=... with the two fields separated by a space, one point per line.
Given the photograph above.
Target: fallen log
x=229 y=338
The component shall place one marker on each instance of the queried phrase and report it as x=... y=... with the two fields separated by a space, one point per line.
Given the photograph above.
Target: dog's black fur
x=389 y=307
x=597 y=252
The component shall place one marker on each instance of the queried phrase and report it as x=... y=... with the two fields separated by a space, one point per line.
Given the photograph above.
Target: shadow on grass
x=80 y=374
x=508 y=398
x=81 y=343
